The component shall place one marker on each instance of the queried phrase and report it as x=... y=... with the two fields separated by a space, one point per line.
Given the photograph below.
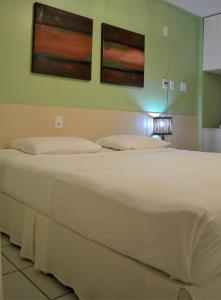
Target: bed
x=127 y=222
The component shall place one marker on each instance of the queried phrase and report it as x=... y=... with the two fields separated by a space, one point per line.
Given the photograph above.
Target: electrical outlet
x=165 y=84
x=59 y=122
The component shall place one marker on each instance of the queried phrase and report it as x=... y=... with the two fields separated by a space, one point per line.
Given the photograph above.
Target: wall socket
x=165 y=84
x=59 y=122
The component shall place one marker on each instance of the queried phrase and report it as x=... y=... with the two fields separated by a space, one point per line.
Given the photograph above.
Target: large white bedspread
x=161 y=207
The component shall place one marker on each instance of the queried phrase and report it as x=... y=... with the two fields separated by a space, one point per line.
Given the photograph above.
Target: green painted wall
x=175 y=57
x=200 y=84
x=211 y=100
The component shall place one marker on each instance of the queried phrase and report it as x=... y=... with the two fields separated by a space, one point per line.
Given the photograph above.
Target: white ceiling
x=201 y=8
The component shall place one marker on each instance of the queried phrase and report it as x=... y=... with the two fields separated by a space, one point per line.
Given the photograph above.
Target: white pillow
x=131 y=142
x=54 y=145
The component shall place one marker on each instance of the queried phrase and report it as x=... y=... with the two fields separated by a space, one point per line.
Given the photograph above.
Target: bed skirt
x=93 y=271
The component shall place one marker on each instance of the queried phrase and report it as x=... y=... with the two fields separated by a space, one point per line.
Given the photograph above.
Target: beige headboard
x=18 y=121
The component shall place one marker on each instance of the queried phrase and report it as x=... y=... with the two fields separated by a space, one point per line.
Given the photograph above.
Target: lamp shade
x=162 y=126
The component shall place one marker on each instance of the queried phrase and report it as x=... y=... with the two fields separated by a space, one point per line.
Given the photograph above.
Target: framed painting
x=122 y=56
x=62 y=43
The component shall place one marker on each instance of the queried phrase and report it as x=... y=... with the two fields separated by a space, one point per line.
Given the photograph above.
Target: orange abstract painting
x=62 y=44
x=122 y=58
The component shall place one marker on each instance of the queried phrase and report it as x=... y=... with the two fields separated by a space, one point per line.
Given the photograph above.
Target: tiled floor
x=22 y=281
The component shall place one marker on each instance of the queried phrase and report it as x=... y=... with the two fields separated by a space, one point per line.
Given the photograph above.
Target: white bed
x=159 y=208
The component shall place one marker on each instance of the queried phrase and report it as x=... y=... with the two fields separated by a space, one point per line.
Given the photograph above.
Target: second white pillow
x=131 y=142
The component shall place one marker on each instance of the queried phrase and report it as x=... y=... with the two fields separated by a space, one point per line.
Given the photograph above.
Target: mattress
x=161 y=207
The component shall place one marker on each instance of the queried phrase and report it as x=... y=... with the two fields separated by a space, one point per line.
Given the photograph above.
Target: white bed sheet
x=161 y=207
x=92 y=270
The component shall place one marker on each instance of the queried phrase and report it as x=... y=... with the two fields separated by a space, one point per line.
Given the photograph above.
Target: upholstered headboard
x=18 y=121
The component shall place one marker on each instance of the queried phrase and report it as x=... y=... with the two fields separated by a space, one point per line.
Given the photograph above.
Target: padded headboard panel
x=18 y=121
x=26 y=120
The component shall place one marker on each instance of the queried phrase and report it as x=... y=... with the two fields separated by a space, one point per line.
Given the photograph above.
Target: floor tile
x=70 y=296
x=47 y=283
x=12 y=253
x=4 y=240
x=7 y=267
x=22 y=288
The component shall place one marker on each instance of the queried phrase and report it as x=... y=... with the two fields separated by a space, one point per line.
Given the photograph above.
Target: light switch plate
x=165 y=31
x=172 y=85
x=59 y=122
x=183 y=86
